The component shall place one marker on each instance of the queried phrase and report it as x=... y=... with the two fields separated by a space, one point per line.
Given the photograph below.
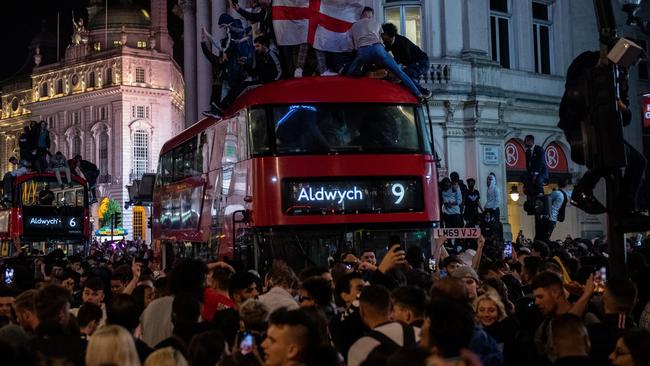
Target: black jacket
x=406 y=52
x=52 y=343
x=269 y=67
x=536 y=161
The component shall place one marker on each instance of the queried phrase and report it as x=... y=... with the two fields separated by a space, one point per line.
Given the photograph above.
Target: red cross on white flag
x=324 y=24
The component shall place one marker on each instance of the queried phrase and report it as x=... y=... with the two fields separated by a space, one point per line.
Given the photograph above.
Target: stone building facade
x=115 y=98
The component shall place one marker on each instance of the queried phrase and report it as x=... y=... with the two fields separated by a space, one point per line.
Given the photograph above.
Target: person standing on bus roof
x=267 y=69
x=366 y=37
x=24 y=145
x=59 y=164
x=42 y=146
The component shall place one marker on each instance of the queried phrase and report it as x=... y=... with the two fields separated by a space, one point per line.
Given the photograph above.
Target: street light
x=514 y=193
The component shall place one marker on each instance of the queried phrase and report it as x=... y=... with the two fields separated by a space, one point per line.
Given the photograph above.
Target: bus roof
x=32 y=174
x=332 y=89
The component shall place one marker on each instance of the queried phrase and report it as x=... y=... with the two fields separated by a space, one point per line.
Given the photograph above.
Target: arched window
x=44 y=89
x=103 y=152
x=76 y=145
x=109 y=76
x=91 y=79
x=140 y=153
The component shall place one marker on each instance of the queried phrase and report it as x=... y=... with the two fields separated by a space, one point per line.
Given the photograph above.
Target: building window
x=109 y=76
x=139 y=111
x=500 y=31
x=50 y=123
x=407 y=19
x=76 y=145
x=142 y=44
x=59 y=86
x=91 y=79
x=103 y=152
x=103 y=113
x=139 y=75
x=139 y=218
x=44 y=89
x=117 y=43
x=74 y=118
x=140 y=153
x=542 y=37
x=97 y=46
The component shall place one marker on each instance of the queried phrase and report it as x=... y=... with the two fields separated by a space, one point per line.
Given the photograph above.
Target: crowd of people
x=35 y=156
x=545 y=304
x=250 y=56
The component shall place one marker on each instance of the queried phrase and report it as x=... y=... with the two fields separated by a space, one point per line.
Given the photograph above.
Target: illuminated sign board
x=646 y=111
x=70 y=224
x=307 y=197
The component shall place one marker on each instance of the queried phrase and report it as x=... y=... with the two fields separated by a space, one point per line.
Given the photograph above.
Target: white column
x=218 y=8
x=452 y=15
x=189 y=60
x=203 y=67
x=475 y=26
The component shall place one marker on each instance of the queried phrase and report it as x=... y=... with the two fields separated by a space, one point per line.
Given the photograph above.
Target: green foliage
x=113 y=208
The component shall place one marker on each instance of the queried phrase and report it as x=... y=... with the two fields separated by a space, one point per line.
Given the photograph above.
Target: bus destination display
x=51 y=224
x=302 y=197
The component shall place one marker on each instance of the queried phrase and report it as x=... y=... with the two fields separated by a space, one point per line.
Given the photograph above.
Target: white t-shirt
x=364 y=345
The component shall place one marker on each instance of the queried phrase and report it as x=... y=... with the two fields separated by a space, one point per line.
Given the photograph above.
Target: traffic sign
x=458 y=232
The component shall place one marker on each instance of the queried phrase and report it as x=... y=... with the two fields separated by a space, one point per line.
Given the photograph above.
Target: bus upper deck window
x=258 y=131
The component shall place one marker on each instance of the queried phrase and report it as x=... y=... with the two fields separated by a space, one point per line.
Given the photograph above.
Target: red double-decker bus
x=298 y=170
x=38 y=219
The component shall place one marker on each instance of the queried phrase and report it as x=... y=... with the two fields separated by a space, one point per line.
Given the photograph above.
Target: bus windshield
x=337 y=128
x=45 y=191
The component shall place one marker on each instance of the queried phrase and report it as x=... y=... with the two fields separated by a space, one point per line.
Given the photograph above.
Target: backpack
x=408 y=336
x=561 y=214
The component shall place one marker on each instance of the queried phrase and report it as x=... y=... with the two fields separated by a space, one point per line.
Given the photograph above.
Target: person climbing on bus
x=88 y=171
x=8 y=179
x=366 y=37
x=267 y=69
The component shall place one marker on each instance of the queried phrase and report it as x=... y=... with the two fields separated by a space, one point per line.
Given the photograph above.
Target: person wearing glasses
x=632 y=349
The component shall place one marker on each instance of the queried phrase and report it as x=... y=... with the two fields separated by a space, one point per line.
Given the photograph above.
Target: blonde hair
x=501 y=309
x=112 y=345
x=167 y=356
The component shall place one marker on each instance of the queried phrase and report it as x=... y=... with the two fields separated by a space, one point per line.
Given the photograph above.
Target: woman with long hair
x=112 y=345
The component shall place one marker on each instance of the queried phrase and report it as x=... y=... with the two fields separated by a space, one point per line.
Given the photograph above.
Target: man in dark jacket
x=415 y=62
x=54 y=341
x=267 y=69
x=25 y=146
x=88 y=171
x=535 y=165
x=573 y=110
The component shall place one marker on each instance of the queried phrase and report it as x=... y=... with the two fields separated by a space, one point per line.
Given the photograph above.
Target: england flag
x=324 y=24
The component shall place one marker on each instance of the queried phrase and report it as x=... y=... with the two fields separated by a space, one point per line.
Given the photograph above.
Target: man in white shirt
x=281 y=281
x=366 y=37
x=375 y=309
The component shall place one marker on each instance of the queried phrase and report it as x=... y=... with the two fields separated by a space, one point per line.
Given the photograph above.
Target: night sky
x=21 y=20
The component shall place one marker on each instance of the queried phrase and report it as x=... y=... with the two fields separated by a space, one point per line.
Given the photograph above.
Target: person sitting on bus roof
x=267 y=69
x=88 y=171
x=8 y=179
x=415 y=62
x=46 y=196
x=366 y=36
x=59 y=164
